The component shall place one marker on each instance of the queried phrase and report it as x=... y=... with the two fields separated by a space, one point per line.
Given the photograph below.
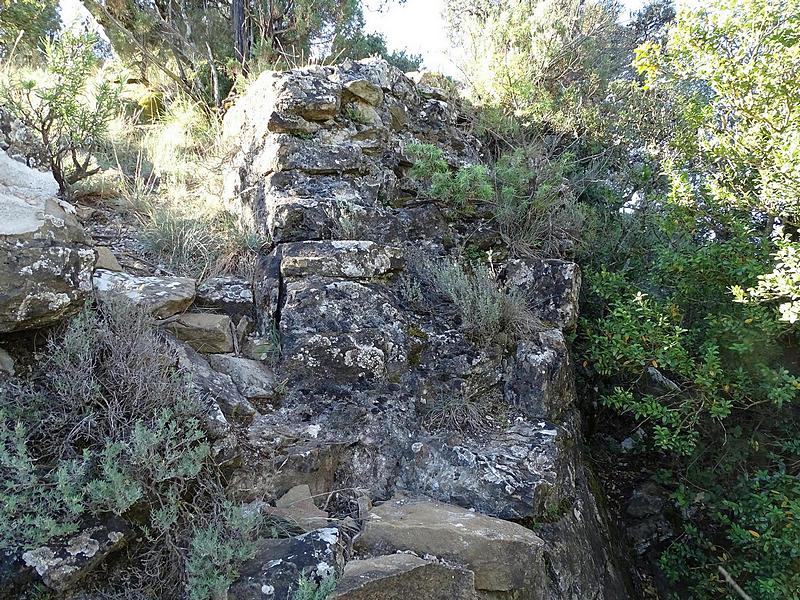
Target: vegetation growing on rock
x=389 y=270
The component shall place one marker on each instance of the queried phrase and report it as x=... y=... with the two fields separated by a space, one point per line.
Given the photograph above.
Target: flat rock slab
x=504 y=556
x=205 y=332
x=403 y=577
x=274 y=572
x=339 y=258
x=161 y=296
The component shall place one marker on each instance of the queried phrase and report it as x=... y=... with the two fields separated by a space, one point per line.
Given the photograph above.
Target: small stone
x=297 y=506
x=106 y=259
x=6 y=363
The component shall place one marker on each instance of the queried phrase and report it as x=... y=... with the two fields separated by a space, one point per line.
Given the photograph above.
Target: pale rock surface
x=161 y=296
x=403 y=577
x=503 y=556
x=46 y=257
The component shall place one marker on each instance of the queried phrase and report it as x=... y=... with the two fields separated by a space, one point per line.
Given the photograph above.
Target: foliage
x=363 y=45
x=486 y=309
x=547 y=62
x=307 y=589
x=110 y=425
x=69 y=116
x=738 y=61
x=217 y=550
x=30 y=21
x=529 y=194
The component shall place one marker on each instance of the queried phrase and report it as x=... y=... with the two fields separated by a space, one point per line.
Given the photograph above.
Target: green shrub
x=536 y=208
x=70 y=119
x=109 y=424
x=217 y=549
x=37 y=503
x=307 y=589
x=461 y=190
x=486 y=309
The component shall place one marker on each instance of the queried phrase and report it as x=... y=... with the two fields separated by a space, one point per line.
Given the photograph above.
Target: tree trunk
x=241 y=36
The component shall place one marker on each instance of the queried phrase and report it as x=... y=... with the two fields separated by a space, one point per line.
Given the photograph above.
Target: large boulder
x=46 y=258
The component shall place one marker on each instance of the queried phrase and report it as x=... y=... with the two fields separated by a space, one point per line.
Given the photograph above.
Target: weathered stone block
x=504 y=556
x=161 y=296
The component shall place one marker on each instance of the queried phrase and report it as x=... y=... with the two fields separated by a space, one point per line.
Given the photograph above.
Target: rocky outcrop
x=346 y=399
x=46 y=259
x=369 y=375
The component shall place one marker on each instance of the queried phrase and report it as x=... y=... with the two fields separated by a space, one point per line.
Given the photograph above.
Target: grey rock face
x=552 y=286
x=46 y=258
x=232 y=296
x=279 y=564
x=383 y=392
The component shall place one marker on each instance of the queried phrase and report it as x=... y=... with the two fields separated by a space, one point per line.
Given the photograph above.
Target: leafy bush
x=461 y=190
x=69 y=116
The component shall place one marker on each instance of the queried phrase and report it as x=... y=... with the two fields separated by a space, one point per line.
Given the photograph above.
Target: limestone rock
x=403 y=577
x=278 y=565
x=511 y=474
x=552 y=286
x=230 y=295
x=205 y=332
x=254 y=380
x=366 y=90
x=504 y=556
x=46 y=258
x=339 y=258
x=106 y=259
x=161 y=296
x=61 y=563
